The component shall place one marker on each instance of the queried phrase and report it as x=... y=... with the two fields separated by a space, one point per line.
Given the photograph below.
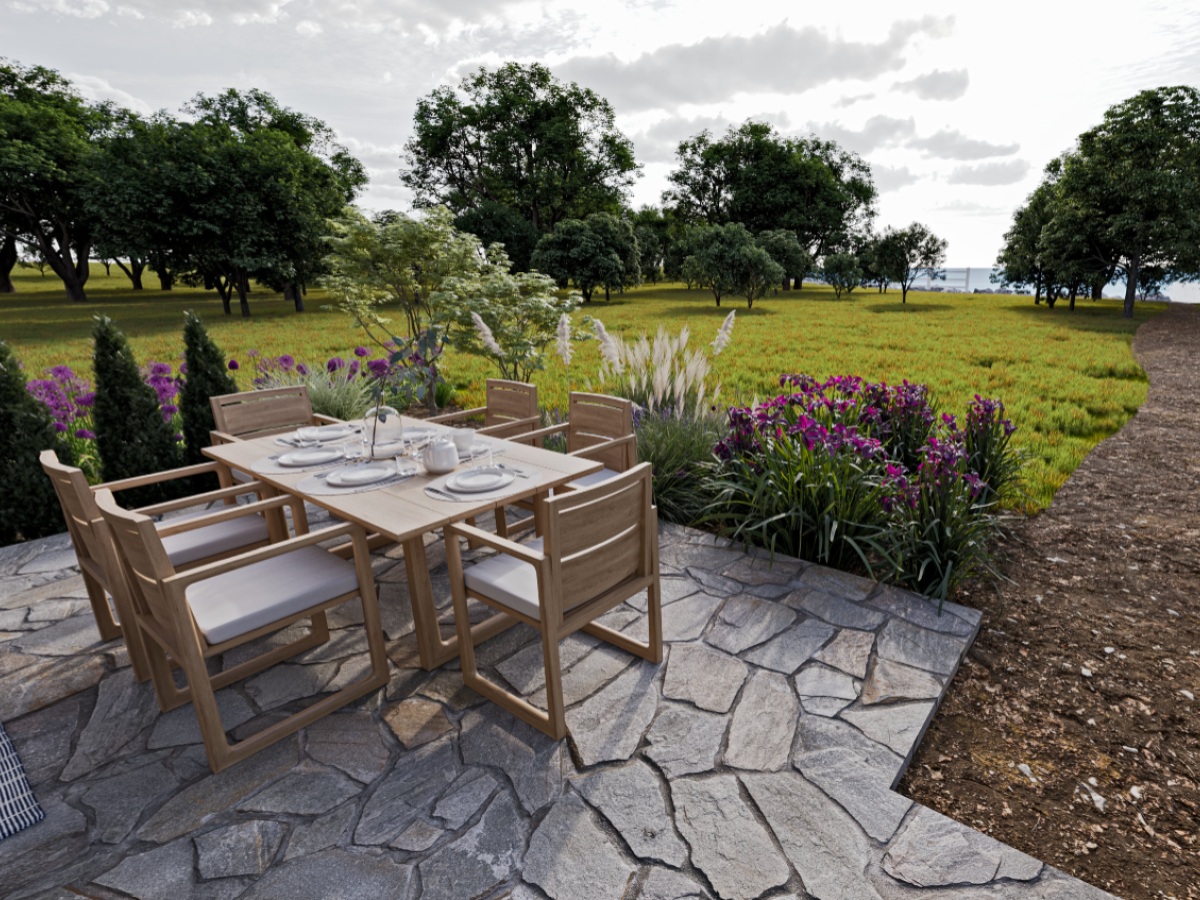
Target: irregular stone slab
x=824 y=844
x=303 y=793
x=792 y=649
x=751 y=570
x=663 y=884
x=43 y=739
x=164 y=873
x=921 y=611
x=70 y=637
x=350 y=741
x=712 y=559
x=728 y=844
x=119 y=802
x=194 y=805
x=570 y=858
x=51 y=561
x=705 y=677
x=760 y=734
x=418 y=836
x=415 y=721
x=351 y=671
x=896 y=681
x=913 y=646
x=56 y=610
x=850 y=651
x=840 y=584
x=820 y=681
x=321 y=833
x=672 y=589
x=857 y=787
x=684 y=620
x=609 y=725
x=11 y=661
x=180 y=726
x=407 y=793
x=446 y=686
x=815 y=734
x=631 y=798
x=836 y=610
x=341 y=644
x=486 y=856
x=38 y=685
x=244 y=653
x=536 y=765
x=13 y=619
x=586 y=676
x=747 y=621
x=284 y=683
x=246 y=848
x=335 y=875
x=525 y=670
x=685 y=740
x=824 y=706
x=123 y=709
x=897 y=727
x=716 y=584
x=51 y=844
x=464 y=798
x=933 y=851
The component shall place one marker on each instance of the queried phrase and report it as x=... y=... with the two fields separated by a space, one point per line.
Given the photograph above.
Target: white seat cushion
x=507 y=580
x=594 y=478
x=240 y=601
x=211 y=540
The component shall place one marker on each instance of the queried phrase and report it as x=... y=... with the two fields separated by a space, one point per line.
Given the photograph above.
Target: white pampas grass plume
x=724 y=335
x=610 y=349
x=565 y=351
x=485 y=334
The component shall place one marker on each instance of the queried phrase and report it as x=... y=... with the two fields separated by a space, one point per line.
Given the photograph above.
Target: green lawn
x=1069 y=380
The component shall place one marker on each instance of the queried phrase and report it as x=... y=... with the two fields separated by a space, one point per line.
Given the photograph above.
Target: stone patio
x=756 y=761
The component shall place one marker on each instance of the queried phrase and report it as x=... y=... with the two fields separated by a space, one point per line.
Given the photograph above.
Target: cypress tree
x=131 y=436
x=29 y=507
x=206 y=377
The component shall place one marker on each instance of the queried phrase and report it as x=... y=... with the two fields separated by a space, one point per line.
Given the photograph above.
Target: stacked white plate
x=325 y=433
x=312 y=457
x=480 y=480
x=357 y=476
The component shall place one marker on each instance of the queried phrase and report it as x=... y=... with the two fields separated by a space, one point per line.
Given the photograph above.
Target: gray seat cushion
x=211 y=540
x=240 y=601
x=594 y=478
x=507 y=580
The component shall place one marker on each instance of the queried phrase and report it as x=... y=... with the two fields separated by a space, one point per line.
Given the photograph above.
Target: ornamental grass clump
x=339 y=388
x=679 y=448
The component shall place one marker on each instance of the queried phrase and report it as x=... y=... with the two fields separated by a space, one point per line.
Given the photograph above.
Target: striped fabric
x=18 y=808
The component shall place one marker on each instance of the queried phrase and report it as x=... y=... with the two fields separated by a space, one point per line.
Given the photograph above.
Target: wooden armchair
x=200 y=613
x=600 y=547
x=511 y=410
x=254 y=414
x=200 y=544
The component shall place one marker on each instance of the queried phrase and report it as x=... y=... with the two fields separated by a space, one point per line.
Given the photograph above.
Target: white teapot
x=440 y=456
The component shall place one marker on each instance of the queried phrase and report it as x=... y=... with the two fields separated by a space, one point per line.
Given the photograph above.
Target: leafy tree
x=914 y=250
x=726 y=260
x=206 y=376
x=650 y=254
x=1136 y=176
x=520 y=137
x=132 y=436
x=783 y=247
x=28 y=506
x=1019 y=261
x=681 y=245
x=495 y=223
x=842 y=272
x=597 y=252
x=46 y=138
x=8 y=260
x=752 y=175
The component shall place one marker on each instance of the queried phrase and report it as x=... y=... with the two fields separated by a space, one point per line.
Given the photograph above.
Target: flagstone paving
x=757 y=760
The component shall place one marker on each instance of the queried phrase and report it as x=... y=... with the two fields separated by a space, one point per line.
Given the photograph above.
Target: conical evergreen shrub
x=131 y=436
x=206 y=377
x=29 y=507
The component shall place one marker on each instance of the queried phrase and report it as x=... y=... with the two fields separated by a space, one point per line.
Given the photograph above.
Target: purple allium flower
x=62 y=373
x=84 y=434
x=334 y=363
x=287 y=362
x=170 y=409
x=178 y=436
x=233 y=365
x=302 y=368
x=360 y=352
x=60 y=427
x=378 y=368
x=183 y=368
x=160 y=369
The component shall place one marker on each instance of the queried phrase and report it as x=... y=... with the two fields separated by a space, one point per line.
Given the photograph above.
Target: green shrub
x=29 y=507
x=206 y=377
x=841 y=272
x=679 y=447
x=131 y=434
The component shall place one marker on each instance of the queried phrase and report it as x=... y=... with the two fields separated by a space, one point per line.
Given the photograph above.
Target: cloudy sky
x=956 y=106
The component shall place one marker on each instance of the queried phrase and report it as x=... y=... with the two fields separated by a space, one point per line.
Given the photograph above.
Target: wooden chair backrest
x=79 y=509
x=142 y=556
x=511 y=401
x=262 y=413
x=596 y=418
x=600 y=536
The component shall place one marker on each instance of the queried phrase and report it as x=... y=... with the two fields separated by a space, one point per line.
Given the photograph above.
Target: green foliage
x=727 y=260
x=911 y=251
x=29 y=507
x=650 y=253
x=679 y=448
x=519 y=136
x=841 y=272
x=131 y=436
x=785 y=249
x=495 y=223
x=341 y=394
x=206 y=377
x=683 y=243
x=597 y=252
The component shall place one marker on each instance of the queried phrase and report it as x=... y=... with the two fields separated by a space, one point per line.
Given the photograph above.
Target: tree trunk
x=292 y=292
x=8 y=259
x=73 y=271
x=1097 y=291
x=787 y=283
x=134 y=272
x=166 y=281
x=240 y=283
x=1131 y=279
x=606 y=297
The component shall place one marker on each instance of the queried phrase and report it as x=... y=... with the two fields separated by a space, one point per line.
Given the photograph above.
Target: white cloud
x=971 y=208
x=892 y=178
x=82 y=9
x=94 y=88
x=658 y=142
x=877 y=132
x=308 y=28
x=990 y=173
x=936 y=85
x=843 y=102
x=946 y=144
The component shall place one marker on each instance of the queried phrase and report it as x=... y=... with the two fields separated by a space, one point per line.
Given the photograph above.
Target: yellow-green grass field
x=1068 y=380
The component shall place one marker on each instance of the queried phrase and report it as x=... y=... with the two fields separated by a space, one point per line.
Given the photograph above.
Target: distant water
x=980 y=278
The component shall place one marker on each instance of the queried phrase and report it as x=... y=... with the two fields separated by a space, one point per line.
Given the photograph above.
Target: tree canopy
x=911 y=250
x=727 y=260
x=597 y=252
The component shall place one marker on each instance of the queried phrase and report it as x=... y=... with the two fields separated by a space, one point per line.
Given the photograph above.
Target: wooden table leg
x=277 y=528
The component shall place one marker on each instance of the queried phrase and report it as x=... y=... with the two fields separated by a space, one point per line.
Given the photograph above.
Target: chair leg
x=556 y=719
x=169 y=696
x=108 y=627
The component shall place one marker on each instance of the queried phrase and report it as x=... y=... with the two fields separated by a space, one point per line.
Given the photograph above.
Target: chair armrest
x=501 y=427
x=191 y=576
x=224 y=514
x=216 y=438
x=169 y=475
x=319 y=419
x=454 y=417
x=249 y=487
x=505 y=546
x=586 y=452
x=540 y=433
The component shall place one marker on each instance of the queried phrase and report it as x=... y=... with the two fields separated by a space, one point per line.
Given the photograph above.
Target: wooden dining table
x=403 y=513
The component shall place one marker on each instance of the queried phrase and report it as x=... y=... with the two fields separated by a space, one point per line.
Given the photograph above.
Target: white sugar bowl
x=441 y=456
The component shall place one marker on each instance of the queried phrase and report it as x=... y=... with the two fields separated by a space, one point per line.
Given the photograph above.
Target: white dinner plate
x=480 y=479
x=419 y=432
x=326 y=432
x=313 y=457
x=360 y=475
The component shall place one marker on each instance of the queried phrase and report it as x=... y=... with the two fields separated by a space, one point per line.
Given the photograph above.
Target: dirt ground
x=1086 y=669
